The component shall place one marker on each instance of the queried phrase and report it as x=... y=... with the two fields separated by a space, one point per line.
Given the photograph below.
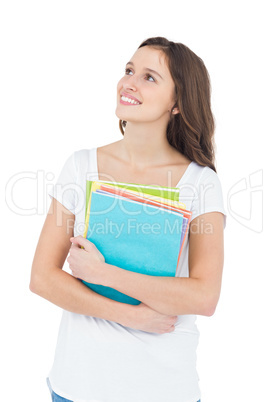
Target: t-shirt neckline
x=185 y=174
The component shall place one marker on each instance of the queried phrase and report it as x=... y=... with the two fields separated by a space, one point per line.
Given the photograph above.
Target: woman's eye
x=128 y=71
x=150 y=78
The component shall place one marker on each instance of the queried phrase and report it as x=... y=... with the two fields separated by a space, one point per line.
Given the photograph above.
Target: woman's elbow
x=38 y=281
x=209 y=311
x=34 y=284
x=209 y=306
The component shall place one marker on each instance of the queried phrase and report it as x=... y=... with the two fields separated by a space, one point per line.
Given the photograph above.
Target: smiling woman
x=191 y=126
x=147 y=82
x=110 y=351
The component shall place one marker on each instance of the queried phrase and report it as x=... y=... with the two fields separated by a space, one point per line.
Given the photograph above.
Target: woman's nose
x=130 y=83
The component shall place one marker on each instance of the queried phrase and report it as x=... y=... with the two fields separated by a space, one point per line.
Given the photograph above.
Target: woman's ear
x=175 y=110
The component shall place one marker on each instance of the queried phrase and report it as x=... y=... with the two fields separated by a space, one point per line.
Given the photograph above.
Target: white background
x=60 y=63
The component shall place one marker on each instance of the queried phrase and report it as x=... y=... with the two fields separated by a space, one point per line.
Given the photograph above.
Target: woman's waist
x=77 y=326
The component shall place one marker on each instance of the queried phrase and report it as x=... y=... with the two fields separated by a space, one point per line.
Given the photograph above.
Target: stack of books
x=136 y=227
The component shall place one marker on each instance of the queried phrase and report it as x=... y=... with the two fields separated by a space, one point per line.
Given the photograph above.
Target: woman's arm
x=197 y=294
x=49 y=280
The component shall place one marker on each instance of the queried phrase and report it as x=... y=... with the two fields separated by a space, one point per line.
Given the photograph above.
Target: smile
x=129 y=101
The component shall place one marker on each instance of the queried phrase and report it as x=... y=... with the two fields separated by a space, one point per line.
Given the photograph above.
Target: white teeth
x=132 y=101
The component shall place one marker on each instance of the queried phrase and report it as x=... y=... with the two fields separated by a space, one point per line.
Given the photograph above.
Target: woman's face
x=146 y=93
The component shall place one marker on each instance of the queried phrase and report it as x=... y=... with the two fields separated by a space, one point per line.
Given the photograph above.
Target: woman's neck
x=144 y=145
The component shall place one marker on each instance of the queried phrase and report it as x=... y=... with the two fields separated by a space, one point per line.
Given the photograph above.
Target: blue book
x=134 y=236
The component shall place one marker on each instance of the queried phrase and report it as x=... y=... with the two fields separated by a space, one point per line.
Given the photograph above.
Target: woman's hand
x=146 y=319
x=86 y=263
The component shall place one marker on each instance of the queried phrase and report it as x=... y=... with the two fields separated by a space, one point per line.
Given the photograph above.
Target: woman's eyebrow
x=147 y=69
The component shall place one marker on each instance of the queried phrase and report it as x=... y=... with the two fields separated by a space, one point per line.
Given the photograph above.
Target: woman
x=114 y=352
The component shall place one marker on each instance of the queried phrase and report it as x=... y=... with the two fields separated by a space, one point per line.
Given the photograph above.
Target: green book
x=168 y=193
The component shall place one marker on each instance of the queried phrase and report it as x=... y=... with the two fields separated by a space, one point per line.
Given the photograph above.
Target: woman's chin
x=119 y=113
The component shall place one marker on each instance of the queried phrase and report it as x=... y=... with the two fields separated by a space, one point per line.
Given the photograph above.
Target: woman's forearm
x=167 y=295
x=197 y=294
x=69 y=293
x=72 y=295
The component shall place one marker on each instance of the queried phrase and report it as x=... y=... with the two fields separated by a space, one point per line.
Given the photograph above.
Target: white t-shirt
x=98 y=360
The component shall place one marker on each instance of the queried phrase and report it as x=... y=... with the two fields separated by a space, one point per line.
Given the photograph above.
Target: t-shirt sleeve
x=209 y=197
x=65 y=188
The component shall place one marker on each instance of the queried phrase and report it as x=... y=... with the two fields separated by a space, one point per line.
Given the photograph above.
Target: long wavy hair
x=191 y=131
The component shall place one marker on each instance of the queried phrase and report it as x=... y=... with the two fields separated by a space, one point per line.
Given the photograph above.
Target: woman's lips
x=128 y=100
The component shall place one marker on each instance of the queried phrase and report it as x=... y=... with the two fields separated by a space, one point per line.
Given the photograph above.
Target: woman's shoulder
x=79 y=161
x=88 y=158
x=202 y=170
x=201 y=175
x=83 y=154
x=110 y=149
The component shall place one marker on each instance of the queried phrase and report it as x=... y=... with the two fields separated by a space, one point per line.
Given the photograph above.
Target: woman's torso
x=134 y=365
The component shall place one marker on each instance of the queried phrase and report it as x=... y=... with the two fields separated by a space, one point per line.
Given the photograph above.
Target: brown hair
x=191 y=131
